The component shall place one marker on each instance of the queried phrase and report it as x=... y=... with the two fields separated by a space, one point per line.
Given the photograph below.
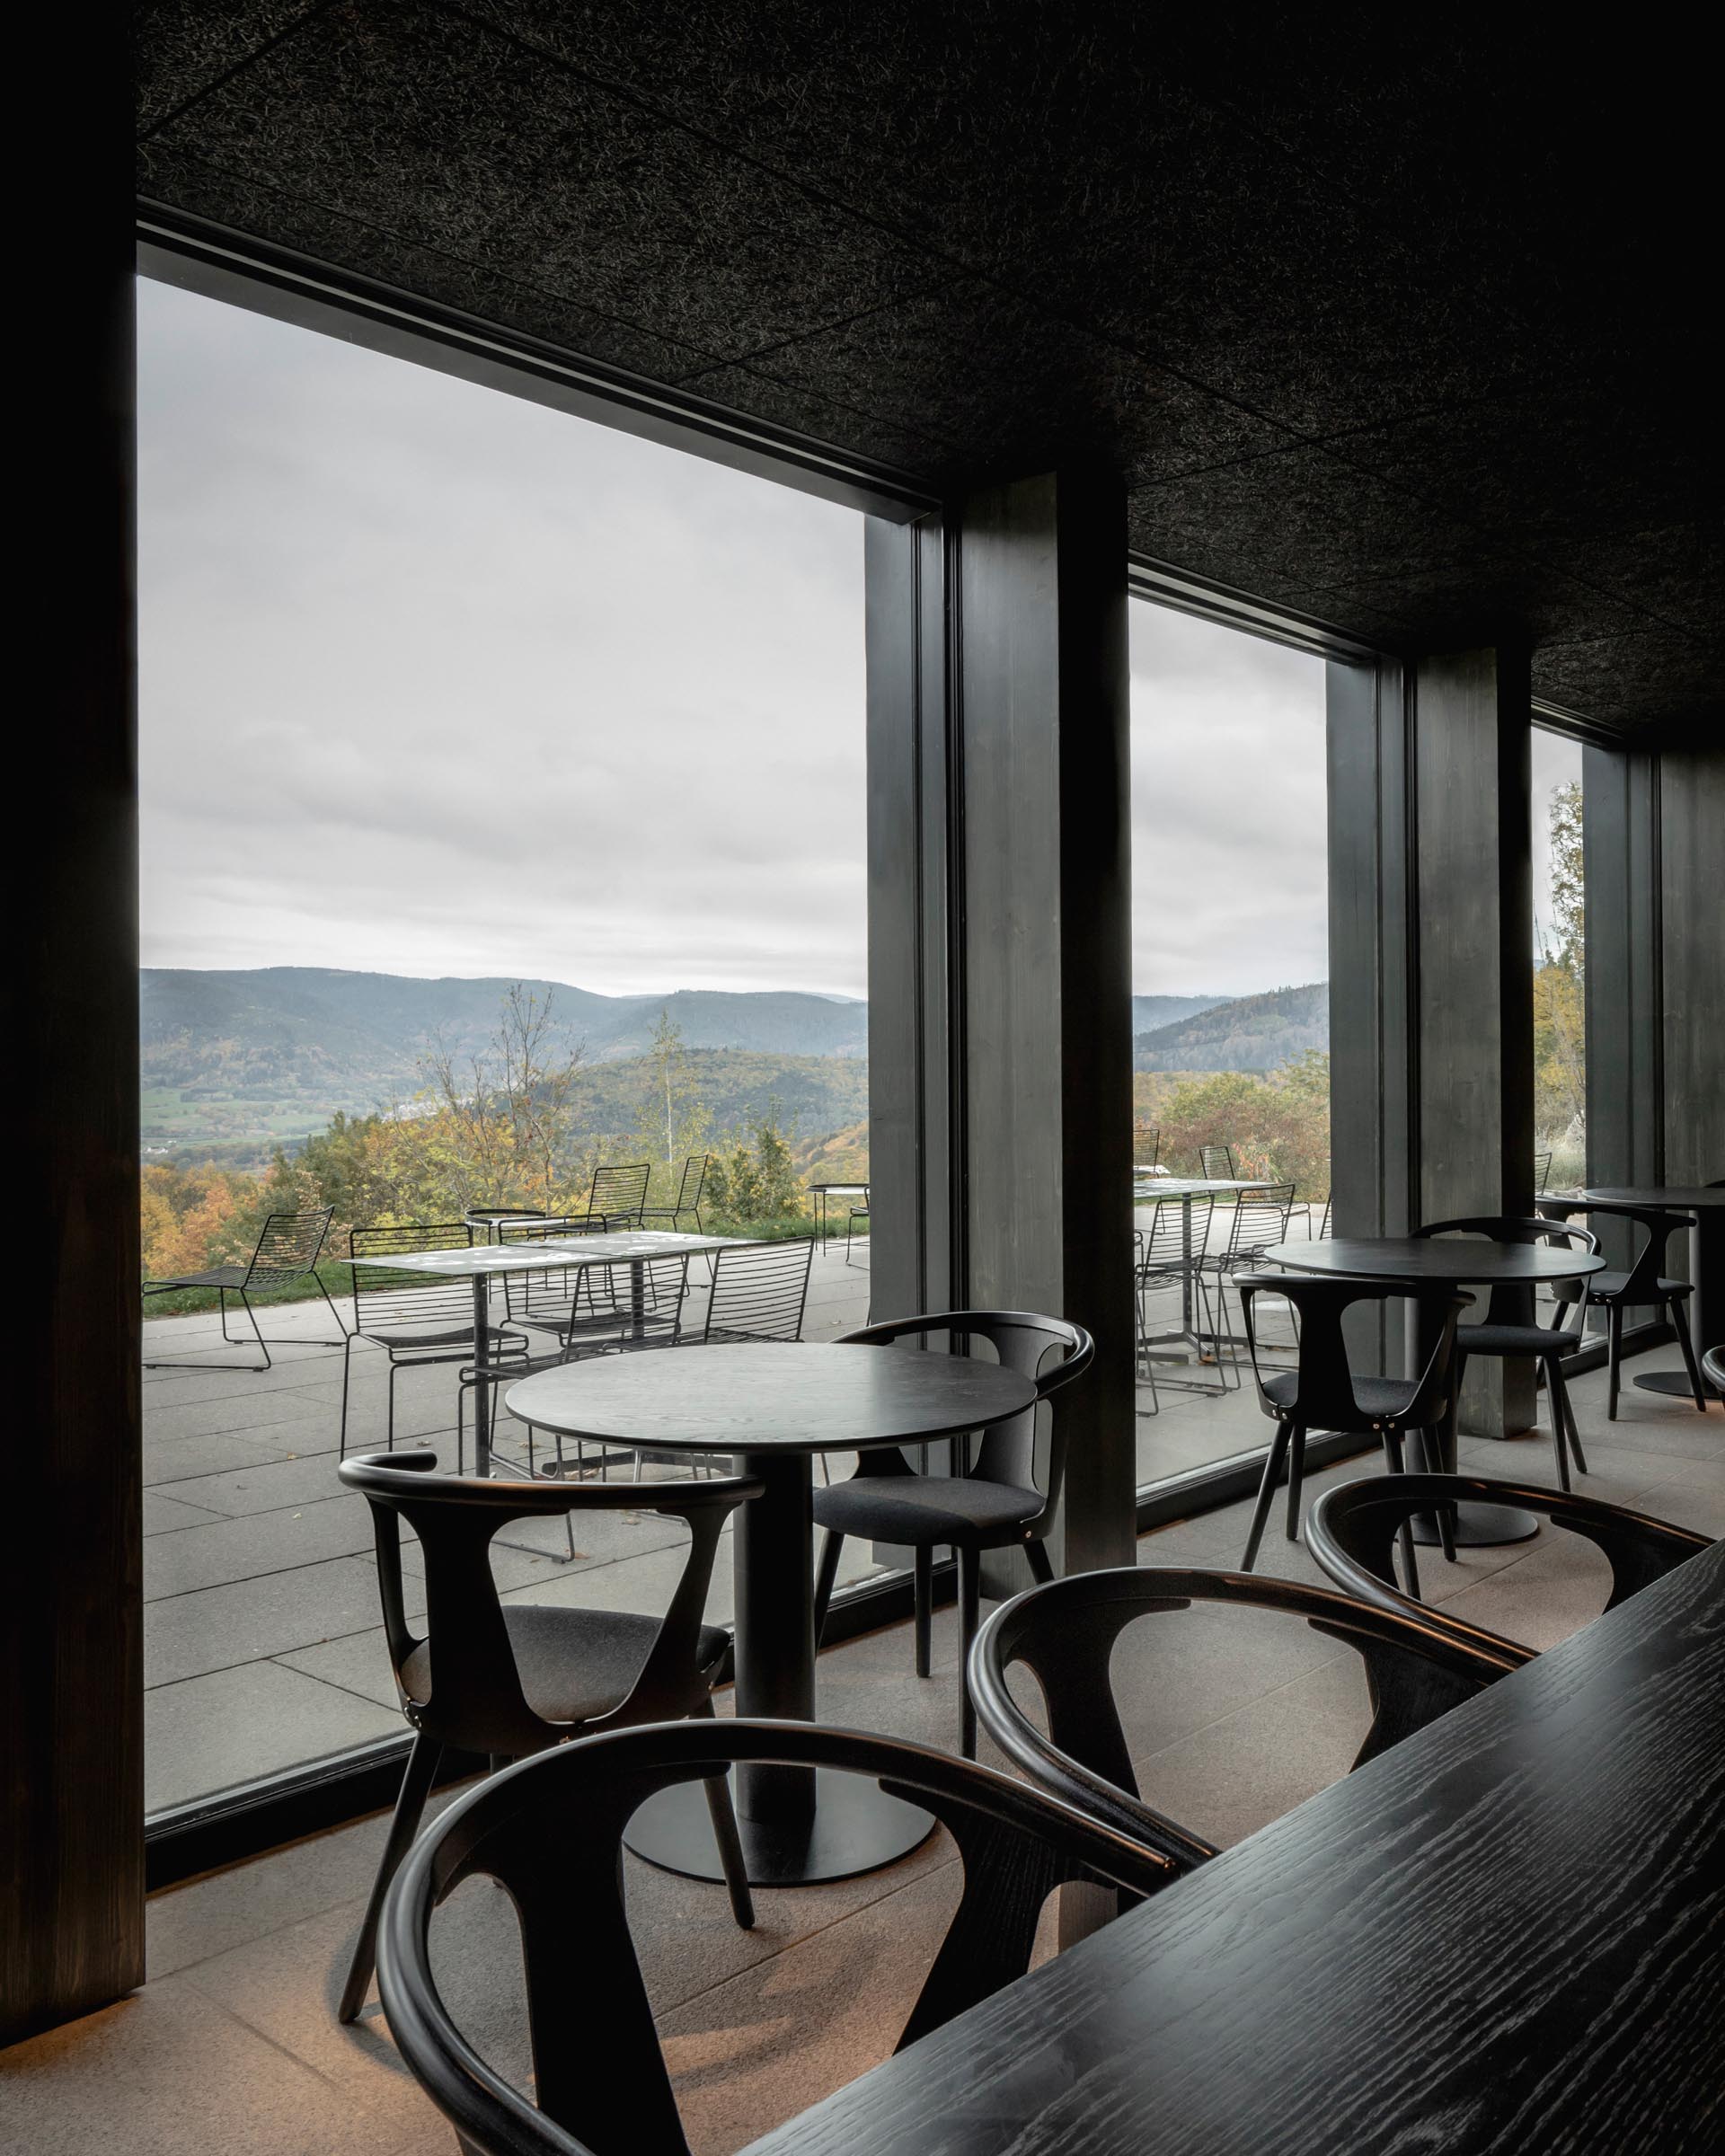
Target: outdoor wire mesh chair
x=1542 y=1172
x=1146 y=1148
x=1322 y=1391
x=856 y=1213
x=509 y=1680
x=1216 y=1162
x=1509 y=1326
x=490 y=1218
x=618 y=1197
x=1642 y=1284
x=690 y=1185
x=1066 y=1635
x=549 y=1831
x=993 y=1501
x=1257 y=1220
x=1354 y=1524
x=1171 y=1254
x=417 y=1320
x=760 y=1291
x=287 y=1251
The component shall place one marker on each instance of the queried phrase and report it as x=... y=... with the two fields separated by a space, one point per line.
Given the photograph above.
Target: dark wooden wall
x=71 y=1685
x=1692 y=923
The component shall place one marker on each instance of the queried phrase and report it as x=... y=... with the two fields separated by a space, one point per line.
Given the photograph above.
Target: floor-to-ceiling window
x=1560 y=964
x=502 y=819
x=1231 y=1008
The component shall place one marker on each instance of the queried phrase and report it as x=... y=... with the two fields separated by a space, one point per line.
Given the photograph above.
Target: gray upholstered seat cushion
x=1513 y=1339
x=1602 y=1286
x=574 y=1665
x=926 y=1508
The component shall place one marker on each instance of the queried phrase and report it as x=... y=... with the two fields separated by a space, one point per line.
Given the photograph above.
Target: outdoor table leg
x=798 y=1825
x=482 y=1381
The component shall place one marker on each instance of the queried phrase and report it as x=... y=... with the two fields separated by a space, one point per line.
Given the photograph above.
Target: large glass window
x=502 y=819
x=1560 y=964
x=1231 y=1008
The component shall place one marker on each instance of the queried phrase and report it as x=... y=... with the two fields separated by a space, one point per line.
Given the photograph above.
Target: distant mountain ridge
x=1247 y=1033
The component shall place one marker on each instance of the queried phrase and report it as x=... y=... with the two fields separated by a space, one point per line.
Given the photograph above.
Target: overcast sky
x=435 y=681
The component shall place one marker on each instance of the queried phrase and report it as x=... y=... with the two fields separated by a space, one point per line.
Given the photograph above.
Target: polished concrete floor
x=1232 y=1720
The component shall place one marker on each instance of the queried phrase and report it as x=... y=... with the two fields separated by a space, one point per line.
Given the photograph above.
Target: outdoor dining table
x=1506 y=1935
x=774 y=1405
x=1443 y=1261
x=637 y=1249
x=1706 y=1201
x=822 y=1193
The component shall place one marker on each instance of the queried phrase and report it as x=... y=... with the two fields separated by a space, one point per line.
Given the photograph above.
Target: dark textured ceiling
x=1401 y=326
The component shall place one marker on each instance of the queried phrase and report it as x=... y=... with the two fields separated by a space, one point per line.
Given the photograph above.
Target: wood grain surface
x=1506 y=1935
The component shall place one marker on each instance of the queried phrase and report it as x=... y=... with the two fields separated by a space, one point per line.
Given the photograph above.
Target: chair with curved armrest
x=511 y=1679
x=1643 y=1285
x=550 y=1829
x=1353 y=1525
x=993 y=1503
x=1065 y=1634
x=1510 y=1328
x=1322 y=1391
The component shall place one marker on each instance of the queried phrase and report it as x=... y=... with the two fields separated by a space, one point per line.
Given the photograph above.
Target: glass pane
x=503 y=819
x=1231 y=1011
x=1559 y=967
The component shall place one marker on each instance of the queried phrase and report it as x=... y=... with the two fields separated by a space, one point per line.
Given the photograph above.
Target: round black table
x=1706 y=1201
x=1415 y=1261
x=774 y=1406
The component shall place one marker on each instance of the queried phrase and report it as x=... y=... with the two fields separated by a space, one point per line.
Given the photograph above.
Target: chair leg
x=416 y=1787
x=1559 y=1435
x=923 y=1584
x=723 y=1814
x=1296 y=1469
x=347 y=1364
x=389 y=1412
x=1041 y=1565
x=826 y=1573
x=1393 y=1461
x=341 y=1329
x=1562 y=1390
x=1266 y=1491
x=969 y=1599
x=1679 y=1325
x=1614 y=1357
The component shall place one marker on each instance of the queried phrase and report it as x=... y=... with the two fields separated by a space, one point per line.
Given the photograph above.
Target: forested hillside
x=1250 y=1033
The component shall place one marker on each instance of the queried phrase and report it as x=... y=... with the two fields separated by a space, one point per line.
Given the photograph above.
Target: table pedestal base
x=1479 y=1527
x=856 y=1828
x=1676 y=1385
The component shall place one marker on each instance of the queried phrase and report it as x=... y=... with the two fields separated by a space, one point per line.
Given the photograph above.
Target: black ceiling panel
x=1398 y=321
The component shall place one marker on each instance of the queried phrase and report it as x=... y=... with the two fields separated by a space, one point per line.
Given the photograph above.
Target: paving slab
x=219 y=1628
x=233 y=1725
x=256 y=1547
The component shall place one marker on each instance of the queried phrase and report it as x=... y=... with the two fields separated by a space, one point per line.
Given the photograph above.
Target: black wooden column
x=1431 y=959
x=1000 y=1051
x=71 y=1691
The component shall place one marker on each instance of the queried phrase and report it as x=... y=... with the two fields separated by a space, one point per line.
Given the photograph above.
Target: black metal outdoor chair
x=1066 y=1635
x=1146 y=1146
x=1257 y=1222
x=549 y=1831
x=1322 y=1391
x=618 y=1199
x=417 y=1320
x=993 y=1501
x=1542 y=1172
x=489 y=1219
x=287 y=1250
x=1169 y=1253
x=690 y=1186
x=1509 y=1326
x=1216 y=1163
x=855 y=1213
x=1354 y=1524
x=1642 y=1286
x=509 y=1680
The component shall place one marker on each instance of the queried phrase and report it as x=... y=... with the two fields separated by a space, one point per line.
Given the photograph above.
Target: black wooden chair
x=549 y=1831
x=1713 y=1368
x=691 y=1184
x=1642 y=1286
x=1322 y=1391
x=1509 y=1325
x=417 y=1320
x=287 y=1251
x=1354 y=1524
x=509 y=1680
x=994 y=1501
x=1066 y=1633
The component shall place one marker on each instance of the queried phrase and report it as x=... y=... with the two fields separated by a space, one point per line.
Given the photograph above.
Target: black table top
x=1682 y=1196
x=1506 y=1935
x=1433 y=1261
x=774 y=1397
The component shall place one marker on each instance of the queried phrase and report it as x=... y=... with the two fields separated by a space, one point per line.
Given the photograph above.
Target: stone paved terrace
x=263 y=1648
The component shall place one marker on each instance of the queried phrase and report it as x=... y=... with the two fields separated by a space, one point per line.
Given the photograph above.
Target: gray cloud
x=435 y=680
